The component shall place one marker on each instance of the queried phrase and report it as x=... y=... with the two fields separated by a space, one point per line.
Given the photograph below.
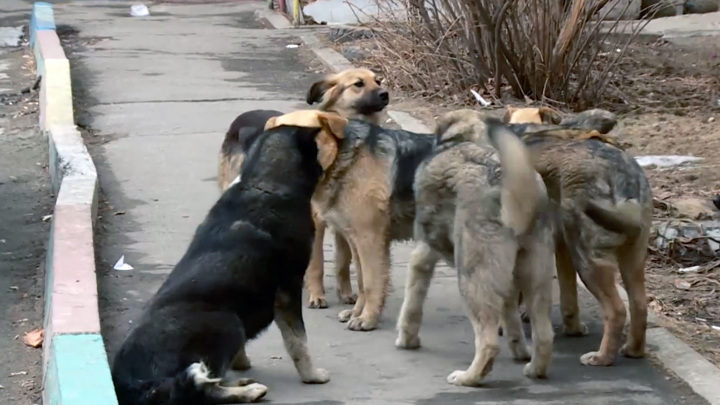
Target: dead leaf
x=34 y=338
x=682 y=284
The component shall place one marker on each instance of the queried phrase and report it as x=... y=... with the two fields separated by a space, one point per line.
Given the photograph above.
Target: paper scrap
x=665 y=161
x=139 y=10
x=689 y=269
x=480 y=99
x=121 y=265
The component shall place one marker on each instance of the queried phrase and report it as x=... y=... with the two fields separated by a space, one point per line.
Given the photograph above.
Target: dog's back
x=256 y=238
x=242 y=133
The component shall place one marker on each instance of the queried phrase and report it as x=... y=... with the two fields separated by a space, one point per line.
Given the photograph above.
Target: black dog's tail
x=188 y=387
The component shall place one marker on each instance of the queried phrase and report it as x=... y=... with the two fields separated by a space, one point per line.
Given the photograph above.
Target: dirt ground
x=668 y=103
x=25 y=199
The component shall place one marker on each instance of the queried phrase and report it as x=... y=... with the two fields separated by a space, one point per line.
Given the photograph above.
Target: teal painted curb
x=78 y=373
x=75 y=366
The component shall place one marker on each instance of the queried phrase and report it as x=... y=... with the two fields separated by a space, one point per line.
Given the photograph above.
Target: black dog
x=243 y=269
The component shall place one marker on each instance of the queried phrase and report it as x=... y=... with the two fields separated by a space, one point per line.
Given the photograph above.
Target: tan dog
x=484 y=210
x=605 y=203
x=542 y=115
x=353 y=93
x=367 y=197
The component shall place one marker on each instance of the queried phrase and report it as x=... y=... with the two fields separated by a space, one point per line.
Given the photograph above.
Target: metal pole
x=296 y=13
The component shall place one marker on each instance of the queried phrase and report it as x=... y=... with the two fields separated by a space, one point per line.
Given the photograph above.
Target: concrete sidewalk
x=158 y=94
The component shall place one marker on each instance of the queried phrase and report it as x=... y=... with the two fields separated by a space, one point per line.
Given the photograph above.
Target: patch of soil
x=25 y=201
x=667 y=97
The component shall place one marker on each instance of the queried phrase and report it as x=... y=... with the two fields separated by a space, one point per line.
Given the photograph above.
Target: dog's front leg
x=373 y=253
x=288 y=317
x=315 y=271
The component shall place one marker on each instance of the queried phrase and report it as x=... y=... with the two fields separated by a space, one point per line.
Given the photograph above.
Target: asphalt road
x=156 y=95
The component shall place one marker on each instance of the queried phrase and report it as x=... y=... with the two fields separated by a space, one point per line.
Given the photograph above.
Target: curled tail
x=523 y=192
x=625 y=218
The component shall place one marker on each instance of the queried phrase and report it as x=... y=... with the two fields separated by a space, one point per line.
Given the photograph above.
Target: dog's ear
x=508 y=114
x=333 y=123
x=332 y=128
x=270 y=123
x=316 y=92
x=549 y=115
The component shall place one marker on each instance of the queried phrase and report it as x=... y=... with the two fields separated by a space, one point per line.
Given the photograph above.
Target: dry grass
x=545 y=50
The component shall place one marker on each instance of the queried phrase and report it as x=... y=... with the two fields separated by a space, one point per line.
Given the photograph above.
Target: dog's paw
x=519 y=351
x=347 y=299
x=407 y=342
x=317 y=301
x=361 y=324
x=317 y=376
x=632 y=353
x=241 y=363
x=595 y=359
x=462 y=379
x=254 y=392
x=578 y=331
x=242 y=382
x=345 y=315
x=531 y=370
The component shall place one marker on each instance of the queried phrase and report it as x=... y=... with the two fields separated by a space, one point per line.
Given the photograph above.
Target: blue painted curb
x=78 y=373
x=42 y=18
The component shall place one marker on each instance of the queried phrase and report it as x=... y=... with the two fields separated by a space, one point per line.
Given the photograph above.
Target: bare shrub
x=552 y=51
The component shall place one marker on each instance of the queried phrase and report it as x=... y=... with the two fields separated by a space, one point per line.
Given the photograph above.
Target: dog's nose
x=384 y=96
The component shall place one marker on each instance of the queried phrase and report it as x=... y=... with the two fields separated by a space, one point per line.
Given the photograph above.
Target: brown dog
x=367 y=197
x=605 y=205
x=352 y=93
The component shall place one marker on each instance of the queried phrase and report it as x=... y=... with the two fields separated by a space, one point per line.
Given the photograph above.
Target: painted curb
x=75 y=364
x=689 y=365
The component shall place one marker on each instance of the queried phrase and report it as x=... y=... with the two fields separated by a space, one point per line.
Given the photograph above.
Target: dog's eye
x=359 y=83
x=379 y=82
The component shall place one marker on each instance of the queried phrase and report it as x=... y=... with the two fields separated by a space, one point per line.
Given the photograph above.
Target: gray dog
x=484 y=211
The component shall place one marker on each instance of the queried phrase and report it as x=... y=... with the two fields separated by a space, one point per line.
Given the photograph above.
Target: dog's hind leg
x=289 y=319
x=314 y=273
x=535 y=267
x=599 y=278
x=346 y=315
x=343 y=258
x=567 y=280
x=632 y=269
x=420 y=272
x=513 y=327
x=484 y=314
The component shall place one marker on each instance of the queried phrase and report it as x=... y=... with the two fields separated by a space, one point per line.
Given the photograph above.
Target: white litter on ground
x=121 y=265
x=139 y=10
x=665 y=160
x=480 y=99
